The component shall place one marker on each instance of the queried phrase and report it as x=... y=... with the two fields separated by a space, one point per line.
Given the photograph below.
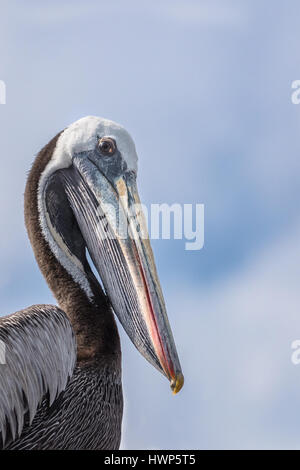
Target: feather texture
x=40 y=356
x=86 y=416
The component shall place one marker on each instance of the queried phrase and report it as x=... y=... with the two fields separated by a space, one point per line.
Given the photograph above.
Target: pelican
x=60 y=382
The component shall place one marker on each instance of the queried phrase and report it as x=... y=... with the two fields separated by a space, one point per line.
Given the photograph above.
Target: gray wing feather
x=39 y=352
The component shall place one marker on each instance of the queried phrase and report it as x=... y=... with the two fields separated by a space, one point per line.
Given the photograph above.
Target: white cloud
x=235 y=342
x=208 y=13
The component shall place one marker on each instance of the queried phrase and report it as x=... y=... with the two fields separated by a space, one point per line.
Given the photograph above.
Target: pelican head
x=95 y=161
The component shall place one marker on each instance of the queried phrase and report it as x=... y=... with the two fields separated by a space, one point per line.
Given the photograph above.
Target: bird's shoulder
x=37 y=358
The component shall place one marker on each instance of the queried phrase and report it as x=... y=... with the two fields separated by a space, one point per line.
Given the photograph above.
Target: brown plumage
x=88 y=413
x=60 y=387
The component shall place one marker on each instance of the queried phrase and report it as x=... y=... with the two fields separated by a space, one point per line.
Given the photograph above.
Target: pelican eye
x=107 y=146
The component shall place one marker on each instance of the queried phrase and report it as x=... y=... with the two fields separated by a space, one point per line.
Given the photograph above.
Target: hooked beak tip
x=177 y=383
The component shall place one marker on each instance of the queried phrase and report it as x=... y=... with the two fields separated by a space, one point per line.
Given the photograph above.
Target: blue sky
x=204 y=87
